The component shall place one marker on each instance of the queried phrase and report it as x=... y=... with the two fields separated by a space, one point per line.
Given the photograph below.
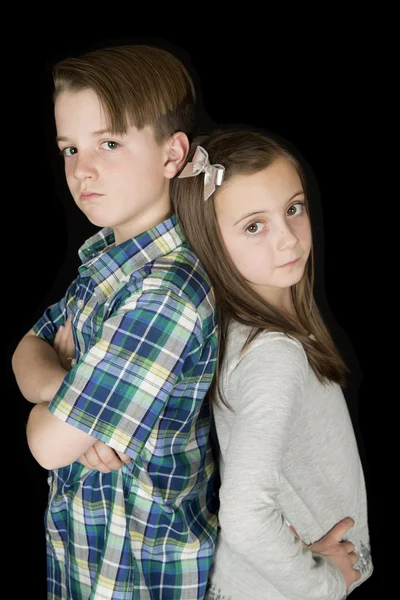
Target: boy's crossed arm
x=118 y=389
x=52 y=441
x=37 y=369
x=40 y=369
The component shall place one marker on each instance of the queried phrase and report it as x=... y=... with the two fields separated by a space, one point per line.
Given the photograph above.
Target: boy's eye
x=110 y=145
x=70 y=151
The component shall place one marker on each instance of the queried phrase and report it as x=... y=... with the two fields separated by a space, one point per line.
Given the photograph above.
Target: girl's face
x=265 y=229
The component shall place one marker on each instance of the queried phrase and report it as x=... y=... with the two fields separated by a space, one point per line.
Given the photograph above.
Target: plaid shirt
x=145 y=355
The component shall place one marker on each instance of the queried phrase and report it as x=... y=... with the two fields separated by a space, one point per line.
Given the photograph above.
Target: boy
x=144 y=342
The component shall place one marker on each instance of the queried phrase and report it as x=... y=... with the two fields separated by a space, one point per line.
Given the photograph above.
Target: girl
x=289 y=462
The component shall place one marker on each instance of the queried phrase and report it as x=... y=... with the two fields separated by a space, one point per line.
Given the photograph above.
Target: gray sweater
x=288 y=455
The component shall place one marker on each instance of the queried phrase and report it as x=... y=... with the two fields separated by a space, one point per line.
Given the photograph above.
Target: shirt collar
x=119 y=262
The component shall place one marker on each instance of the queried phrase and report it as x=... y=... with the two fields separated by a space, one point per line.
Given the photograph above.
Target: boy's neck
x=132 y=230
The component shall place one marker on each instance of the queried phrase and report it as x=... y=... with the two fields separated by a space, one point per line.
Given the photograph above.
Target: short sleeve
x=121 y=385
x=54 y=316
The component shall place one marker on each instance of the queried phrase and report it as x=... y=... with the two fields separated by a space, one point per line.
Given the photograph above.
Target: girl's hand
x=341 y=553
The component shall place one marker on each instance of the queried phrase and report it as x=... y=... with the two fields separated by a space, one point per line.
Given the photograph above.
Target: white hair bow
x=213 y=174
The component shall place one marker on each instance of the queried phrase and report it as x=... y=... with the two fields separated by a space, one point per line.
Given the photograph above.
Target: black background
x=317 y=90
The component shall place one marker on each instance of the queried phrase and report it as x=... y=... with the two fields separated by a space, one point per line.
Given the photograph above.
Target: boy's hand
x=341 y=553
x=64 y=344
x=101 y=457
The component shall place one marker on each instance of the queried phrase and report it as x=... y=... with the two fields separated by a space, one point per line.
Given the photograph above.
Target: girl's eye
x=255 y=227
x=110 y=145
x=67 y=152
x=296 y=209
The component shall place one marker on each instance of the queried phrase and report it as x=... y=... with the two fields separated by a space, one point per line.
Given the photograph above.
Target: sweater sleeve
x=269 y=383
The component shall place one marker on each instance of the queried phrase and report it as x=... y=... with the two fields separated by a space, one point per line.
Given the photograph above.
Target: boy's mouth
x=88 y=195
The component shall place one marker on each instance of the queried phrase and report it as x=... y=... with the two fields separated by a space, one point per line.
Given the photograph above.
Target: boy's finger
x=63 y=341
x=84 y=461
x=123 y=457
x=106 y=463
x=57 y=338
x=109 y=457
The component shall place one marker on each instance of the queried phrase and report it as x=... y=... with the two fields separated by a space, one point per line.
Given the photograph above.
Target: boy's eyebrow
x=61 y=138
x=257 y=212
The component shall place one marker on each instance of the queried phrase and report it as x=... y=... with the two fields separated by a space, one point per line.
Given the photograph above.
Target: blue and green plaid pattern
x=145 y=339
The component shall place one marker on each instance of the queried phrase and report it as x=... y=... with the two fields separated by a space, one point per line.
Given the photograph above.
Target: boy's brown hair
x=136 y=84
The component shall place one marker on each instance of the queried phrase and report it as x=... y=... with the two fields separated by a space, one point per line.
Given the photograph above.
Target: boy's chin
x=98 y=221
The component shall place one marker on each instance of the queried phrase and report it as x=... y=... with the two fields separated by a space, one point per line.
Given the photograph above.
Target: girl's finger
x=353 y=558
x=348 y=546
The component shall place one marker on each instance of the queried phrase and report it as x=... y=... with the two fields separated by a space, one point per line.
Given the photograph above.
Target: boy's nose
x=84 y=168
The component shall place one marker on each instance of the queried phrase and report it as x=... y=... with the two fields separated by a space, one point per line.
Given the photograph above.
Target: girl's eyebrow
x=258 y=212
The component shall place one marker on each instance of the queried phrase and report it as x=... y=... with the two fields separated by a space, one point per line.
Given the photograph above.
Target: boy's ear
x=177 y=148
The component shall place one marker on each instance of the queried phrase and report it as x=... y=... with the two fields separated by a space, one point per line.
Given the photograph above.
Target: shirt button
x=80 y=303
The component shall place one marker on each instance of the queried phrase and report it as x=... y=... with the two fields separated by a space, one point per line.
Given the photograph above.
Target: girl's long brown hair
x=248 y=152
